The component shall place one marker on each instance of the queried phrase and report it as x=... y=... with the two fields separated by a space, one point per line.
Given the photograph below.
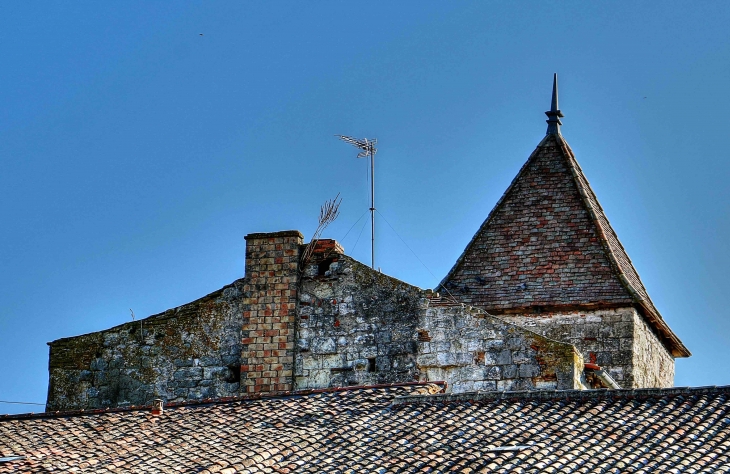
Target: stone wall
x=332 y=321
x=356 y=326
x=653 y=365
x=237 y=339
x=270 y=296
x=471 y=350
x=189 y=352
x=618 y=340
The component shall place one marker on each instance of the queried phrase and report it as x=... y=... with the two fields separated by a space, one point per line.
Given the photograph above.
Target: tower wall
x=653 y=364
x=619 y=340
x=472 y=350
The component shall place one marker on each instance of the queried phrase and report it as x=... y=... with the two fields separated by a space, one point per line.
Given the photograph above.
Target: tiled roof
x=391 y=429
x=547 y=243
x=617 y=254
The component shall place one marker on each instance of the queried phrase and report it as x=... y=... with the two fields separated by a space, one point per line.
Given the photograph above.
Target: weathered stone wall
x=474 y=351
x=618 y=340
x=356 y=326
x=270 y=296
x=189 y=352
x=238 y=339
x=333 y=321
x=653 y=365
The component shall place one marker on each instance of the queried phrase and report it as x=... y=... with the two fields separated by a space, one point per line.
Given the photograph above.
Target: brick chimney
x=270 y=294
x=157 y=406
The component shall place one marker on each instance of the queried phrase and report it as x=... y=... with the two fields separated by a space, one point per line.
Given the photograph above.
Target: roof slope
x=547 y=243
x=391 y=429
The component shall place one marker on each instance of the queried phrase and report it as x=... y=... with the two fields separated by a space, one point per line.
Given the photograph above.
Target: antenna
x=368 y=150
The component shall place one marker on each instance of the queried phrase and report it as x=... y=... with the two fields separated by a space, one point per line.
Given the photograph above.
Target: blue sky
x=140 y=142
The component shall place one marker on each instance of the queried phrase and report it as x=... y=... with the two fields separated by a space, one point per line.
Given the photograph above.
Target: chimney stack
x=269 y=309
x=157 y=407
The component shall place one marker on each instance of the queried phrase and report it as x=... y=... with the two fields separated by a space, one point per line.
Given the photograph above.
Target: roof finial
x=554 y=113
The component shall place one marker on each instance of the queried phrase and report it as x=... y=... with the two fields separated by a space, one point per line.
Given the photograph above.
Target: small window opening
x=371 y=364
x=323 y=266
x=234 y=374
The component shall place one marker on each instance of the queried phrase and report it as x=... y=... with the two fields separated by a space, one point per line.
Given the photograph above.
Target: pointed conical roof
x=547 y=245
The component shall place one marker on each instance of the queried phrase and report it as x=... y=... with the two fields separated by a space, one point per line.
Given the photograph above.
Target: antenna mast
x=368 y=150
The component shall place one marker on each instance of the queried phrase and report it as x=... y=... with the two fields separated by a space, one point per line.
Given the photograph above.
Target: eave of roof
x=618 y=256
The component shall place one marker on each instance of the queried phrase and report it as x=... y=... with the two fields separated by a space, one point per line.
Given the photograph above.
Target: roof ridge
x=578 y=175
x=603 y=227
x=542 y=395
x=423 y=386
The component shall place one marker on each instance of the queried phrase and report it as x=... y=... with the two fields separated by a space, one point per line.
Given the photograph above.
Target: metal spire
x=554 y=113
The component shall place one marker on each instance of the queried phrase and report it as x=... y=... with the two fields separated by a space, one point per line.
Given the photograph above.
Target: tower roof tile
x=548 y=244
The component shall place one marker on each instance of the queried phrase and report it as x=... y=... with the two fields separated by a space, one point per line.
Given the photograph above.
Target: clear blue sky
x=140 y=143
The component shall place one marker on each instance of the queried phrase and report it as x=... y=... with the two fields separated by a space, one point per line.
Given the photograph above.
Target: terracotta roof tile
x=390 y=429
x=547 y=243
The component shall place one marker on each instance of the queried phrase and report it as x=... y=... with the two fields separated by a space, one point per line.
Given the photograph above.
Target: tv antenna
x=367 y=150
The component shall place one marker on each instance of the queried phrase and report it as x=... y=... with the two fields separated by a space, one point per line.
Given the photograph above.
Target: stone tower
x=546 y=258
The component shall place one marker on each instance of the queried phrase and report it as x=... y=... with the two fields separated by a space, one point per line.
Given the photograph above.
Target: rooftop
x=547 y=245
x=398 y=428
